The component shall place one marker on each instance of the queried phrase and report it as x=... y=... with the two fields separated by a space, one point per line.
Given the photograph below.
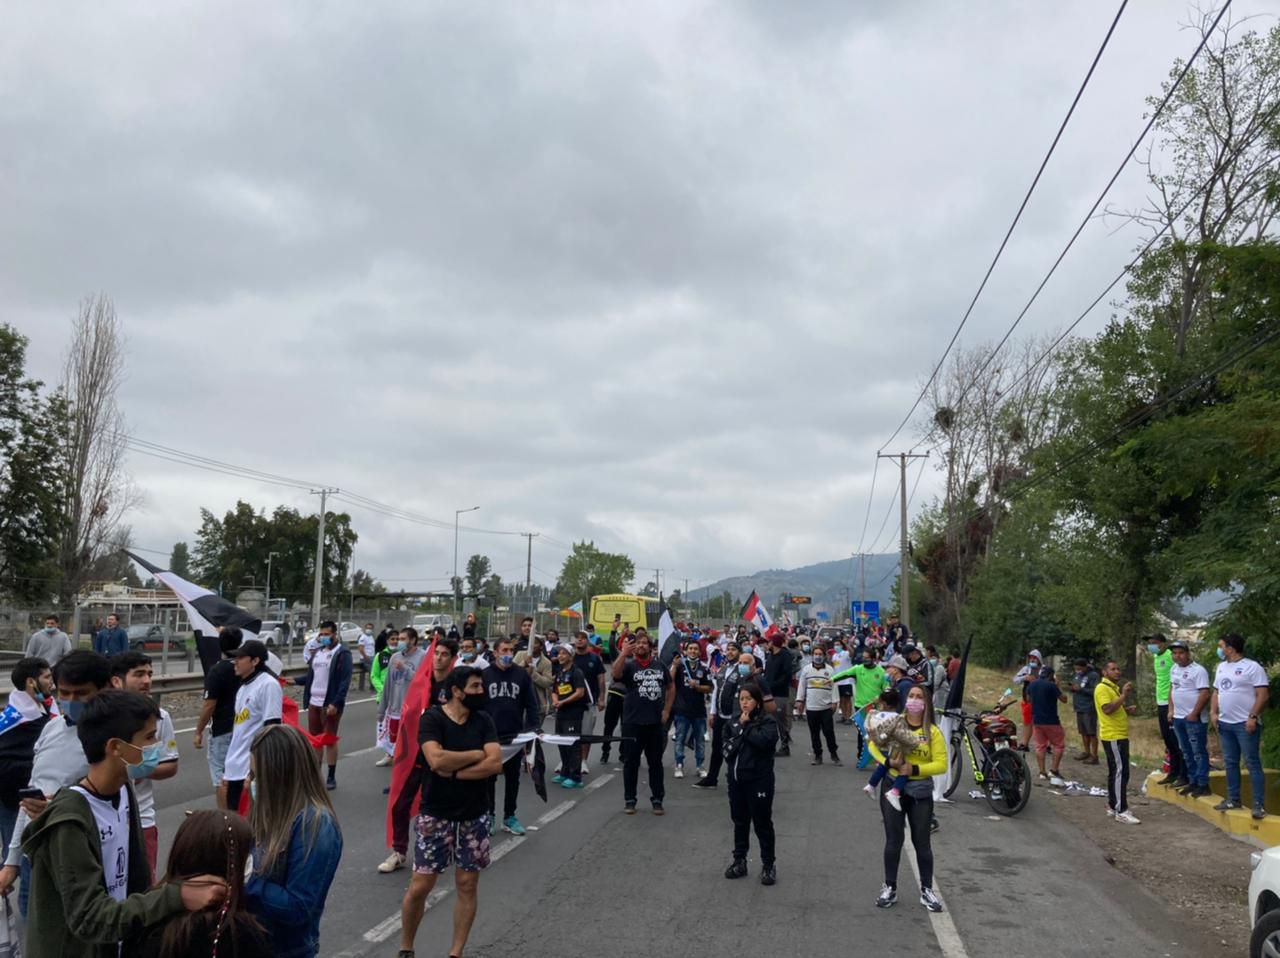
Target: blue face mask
x=71 y=709
x=325 y=640
x=1222 y=654
x=1153 y=648
x=744 y=670
x=506 y=659
x=402 y=647
x=468 y=656
x=253 y=790
x=150 y=759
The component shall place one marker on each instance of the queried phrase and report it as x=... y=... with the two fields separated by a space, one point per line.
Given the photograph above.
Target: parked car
x=1264 y=903
x=425 y=623
x=152 y=638
x=349 y=631
x=273 y=634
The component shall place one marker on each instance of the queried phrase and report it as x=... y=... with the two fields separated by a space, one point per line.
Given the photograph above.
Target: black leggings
x=751 y=803
x=649 y=742
x=570 y=723
x=918 y=812
x=717 y=750
x=511 y=791
x=1176 y=767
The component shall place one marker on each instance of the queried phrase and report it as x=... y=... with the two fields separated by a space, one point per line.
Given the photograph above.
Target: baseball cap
x=253 y=649
x=1178 y=644
x=898 y=662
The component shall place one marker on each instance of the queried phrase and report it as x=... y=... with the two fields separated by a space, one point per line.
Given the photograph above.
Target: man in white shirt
x=259 y=702
x=131 y=671
x=1240 y=692
x=816 y=700
x=1189 y=694
x=842 y=661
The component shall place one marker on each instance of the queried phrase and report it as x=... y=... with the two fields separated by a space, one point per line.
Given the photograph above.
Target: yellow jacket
x=930 y=758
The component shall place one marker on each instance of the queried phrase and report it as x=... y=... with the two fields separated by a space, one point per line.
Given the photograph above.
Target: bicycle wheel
x=955 y=764
x=1008 y=785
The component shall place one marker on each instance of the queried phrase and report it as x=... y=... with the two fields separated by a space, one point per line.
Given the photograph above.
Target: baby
x=888 y=729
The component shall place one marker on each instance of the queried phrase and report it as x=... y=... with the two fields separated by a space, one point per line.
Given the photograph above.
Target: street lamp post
x=270 y=556
x=456 y=590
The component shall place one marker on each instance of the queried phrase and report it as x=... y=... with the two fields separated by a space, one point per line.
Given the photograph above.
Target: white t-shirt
x=1185 y=685
x=366 y=646
x=816 y=688
x=257 y=702
x=320 y=675
x=113 y=833
x=843 y=660
x=309 y=649
x=1236 y=682
x=144 y=788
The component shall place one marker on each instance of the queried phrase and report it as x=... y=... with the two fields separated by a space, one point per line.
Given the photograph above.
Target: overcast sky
x=661 y=275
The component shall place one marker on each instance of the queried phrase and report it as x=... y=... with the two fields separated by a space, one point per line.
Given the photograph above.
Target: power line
x=870 y=497
x=1101 y=196
x=1013 y=225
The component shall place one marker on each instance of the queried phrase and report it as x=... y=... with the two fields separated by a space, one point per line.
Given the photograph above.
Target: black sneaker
x=1201 y=791
x=737 y=870
x=933 y=825
x=930 y=900
x=888 y=897
x=816 y=760
x=1186 y=789
x=784 y=752
x=1259 y=812
x=1179 y=783
x=1167 y=780
x=835 y=760
x=629 y=808
x=403 y=953
x=331 y=783
x=658 y=809
x=705 y=783
x=768 y=875
x=1226 y=805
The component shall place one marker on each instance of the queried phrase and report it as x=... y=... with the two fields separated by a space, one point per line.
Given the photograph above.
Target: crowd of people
x=252 y=875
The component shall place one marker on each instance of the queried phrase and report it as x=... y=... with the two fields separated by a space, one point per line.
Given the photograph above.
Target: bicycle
x=999 y=769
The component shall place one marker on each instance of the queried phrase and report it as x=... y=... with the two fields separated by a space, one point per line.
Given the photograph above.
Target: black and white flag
x=206 y=611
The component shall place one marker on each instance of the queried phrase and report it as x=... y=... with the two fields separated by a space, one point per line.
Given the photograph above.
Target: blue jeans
x=1236 y=739
x=1193 y=741
x=864 y=757
x=8 y=819
x=683 y=725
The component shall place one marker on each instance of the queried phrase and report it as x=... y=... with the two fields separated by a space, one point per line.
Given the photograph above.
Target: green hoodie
x=67 y=890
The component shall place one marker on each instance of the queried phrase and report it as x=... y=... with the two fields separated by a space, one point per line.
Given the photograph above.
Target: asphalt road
x=589 y=876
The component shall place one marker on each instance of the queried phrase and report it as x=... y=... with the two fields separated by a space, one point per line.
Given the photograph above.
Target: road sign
x=799 y=600
x=823 y=616
x=873 y=611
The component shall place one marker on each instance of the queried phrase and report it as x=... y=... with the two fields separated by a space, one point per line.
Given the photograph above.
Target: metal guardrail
x=163 y=685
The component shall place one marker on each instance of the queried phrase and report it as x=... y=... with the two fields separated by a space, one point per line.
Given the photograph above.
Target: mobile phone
x=30 y=793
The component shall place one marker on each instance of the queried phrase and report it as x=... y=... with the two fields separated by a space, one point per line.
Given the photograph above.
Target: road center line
x=944 y=929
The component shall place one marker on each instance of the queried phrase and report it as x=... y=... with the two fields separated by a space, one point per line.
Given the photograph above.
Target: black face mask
x=476 y=701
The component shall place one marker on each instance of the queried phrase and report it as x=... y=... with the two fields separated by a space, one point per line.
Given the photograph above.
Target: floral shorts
x=441 y=841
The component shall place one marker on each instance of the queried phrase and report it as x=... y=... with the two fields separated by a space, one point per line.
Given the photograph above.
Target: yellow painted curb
x=1238 y=821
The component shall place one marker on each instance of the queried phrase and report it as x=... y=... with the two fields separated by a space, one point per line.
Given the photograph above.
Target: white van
x=425 y=623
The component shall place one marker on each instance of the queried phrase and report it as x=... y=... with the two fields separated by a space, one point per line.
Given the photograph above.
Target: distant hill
x=1205 y=604
x=829 y=583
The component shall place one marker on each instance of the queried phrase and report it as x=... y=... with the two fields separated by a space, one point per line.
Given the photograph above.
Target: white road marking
x=944 y=929
x=603 y=779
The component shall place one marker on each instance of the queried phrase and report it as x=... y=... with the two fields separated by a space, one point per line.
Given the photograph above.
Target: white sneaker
x=1128 y=818
x=394 y=862
x=679 y=771
x=870 y=790
x=383 y=762
x=706 y=736
x=894 y=799
x=1111 y=813
x=585 y=769
x=702 y=772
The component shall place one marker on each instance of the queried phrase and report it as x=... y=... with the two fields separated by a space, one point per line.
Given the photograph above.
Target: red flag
x=416 y=701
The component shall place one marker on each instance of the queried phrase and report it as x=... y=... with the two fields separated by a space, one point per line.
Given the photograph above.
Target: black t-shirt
x=689 y=701
x=566 y=683
x=444 y=796
x=646 y=692
x=1044 y=702
x=221 y=684
x=592 y=667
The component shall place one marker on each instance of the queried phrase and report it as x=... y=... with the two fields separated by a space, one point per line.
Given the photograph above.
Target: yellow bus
x=635 y=610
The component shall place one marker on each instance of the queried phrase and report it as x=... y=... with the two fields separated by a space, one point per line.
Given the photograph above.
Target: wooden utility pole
x=904 y=548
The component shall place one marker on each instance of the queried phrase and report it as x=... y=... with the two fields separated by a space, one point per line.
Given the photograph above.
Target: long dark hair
x=211 y=843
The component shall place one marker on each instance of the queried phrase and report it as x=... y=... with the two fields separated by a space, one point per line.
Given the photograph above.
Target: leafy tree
x=588 y=572
x=32 y=443
x=180 y=560
x=478 y=569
